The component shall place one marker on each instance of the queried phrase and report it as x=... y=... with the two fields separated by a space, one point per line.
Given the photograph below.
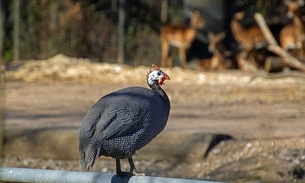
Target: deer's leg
x=165 y=48
x=182 y=53
x=214 y=61
x=300 y=45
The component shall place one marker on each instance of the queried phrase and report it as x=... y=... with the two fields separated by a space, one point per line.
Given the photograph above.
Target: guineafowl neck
x=156 y=88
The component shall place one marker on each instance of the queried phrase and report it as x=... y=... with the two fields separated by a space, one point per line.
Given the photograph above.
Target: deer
x=180 y=36
x=249 y=39
x=292 y=35
x=216 y=62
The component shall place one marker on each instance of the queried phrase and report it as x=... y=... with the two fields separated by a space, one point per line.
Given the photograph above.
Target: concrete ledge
x=62 y=143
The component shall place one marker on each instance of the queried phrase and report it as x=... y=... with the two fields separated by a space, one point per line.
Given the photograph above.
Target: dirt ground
x=264 y=116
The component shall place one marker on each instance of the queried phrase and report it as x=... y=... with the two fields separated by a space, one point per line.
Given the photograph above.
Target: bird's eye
x=159 y=73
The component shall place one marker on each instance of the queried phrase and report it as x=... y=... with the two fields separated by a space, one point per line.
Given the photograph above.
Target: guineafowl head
x=156 y=75
x=88 y=155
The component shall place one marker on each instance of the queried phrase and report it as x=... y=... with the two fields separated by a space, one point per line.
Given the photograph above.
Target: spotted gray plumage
x=124 y=121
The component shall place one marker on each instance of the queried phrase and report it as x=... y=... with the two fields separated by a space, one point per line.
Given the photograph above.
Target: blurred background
x=124 y=31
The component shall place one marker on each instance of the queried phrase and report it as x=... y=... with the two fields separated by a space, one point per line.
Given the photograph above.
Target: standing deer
x=249 y=39
x=292 y=35
x=180 y=36
x=214 y=47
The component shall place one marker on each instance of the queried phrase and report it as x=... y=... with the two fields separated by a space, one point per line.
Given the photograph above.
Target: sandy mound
x=63 y=68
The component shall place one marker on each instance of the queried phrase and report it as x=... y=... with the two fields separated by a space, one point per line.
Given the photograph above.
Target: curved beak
x=166 y=77
x=161 y=80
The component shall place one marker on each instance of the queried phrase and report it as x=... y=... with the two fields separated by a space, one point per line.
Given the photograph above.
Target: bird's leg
x=133 y=169
x=119 y=171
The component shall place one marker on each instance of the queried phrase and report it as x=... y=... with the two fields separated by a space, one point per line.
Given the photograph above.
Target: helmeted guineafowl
x=123 y=122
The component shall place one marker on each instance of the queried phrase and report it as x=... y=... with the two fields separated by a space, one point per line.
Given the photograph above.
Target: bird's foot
x=136 y=173
x=129 y=174
x=133 y=171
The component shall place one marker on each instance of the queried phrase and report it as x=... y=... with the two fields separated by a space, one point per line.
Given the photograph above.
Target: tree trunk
x=52 y=48
x=121 y=36
x=274 y=64
x=164 y=9
x=16 y=38
x=1 y=82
